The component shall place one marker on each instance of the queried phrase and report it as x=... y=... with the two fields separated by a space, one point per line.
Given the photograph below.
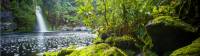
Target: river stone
x=169 y=33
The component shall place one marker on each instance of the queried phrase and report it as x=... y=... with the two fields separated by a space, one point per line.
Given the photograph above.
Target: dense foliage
x=23 y=13
x=118 y=18
x=60 y=13
x=113 y=18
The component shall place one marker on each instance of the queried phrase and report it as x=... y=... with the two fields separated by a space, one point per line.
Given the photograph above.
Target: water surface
x=30 y=44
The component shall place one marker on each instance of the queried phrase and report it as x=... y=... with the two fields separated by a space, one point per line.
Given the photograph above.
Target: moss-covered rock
x=173 y=21
x=169 y=33
x=124 y=42
x=190 y=50
x=98 y=50
x=63 y=52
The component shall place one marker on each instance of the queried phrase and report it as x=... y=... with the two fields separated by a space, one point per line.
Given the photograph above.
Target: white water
x=42 y=28
x=40 y=20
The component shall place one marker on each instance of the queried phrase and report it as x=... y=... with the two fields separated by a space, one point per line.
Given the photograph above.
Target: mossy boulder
x=169 y=33
x=172 y=21
x=123 y=42
x=190 y=50
x=98 y=50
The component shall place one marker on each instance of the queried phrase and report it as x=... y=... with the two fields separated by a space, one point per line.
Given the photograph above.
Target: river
x=31 y=44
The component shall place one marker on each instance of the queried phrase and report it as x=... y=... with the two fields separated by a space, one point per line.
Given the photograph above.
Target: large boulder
x=169 y=33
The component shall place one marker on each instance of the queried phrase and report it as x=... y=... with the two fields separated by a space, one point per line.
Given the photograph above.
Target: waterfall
x=41 y=26
x=40 y=20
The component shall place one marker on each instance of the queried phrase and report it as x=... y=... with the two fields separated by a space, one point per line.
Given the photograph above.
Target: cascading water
x=40 y=20
x=42 y=28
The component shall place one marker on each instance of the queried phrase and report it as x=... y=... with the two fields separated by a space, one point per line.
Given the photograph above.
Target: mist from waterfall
x=40 y=20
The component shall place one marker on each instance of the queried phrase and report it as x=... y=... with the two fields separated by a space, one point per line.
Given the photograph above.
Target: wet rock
x=169 y=33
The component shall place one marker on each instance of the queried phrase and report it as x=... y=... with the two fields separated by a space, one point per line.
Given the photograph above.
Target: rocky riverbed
x=30 y=44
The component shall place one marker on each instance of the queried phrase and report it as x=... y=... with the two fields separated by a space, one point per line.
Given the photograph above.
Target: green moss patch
x=124 y=42
x=99 y=50
x=63 y=52
x=50 y=54
x=172 y=21
x=98 y=40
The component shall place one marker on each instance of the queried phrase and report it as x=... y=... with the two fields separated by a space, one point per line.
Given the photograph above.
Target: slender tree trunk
x=124 y=13
x=105 y=12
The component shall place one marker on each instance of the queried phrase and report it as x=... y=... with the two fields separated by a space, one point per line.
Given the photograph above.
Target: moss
x=50 y=54
x=98 y=40
x=124 y=42
x=172 y=21
x=63 y=52
x=190 y=50
x=99 y=50
x=197 y=40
